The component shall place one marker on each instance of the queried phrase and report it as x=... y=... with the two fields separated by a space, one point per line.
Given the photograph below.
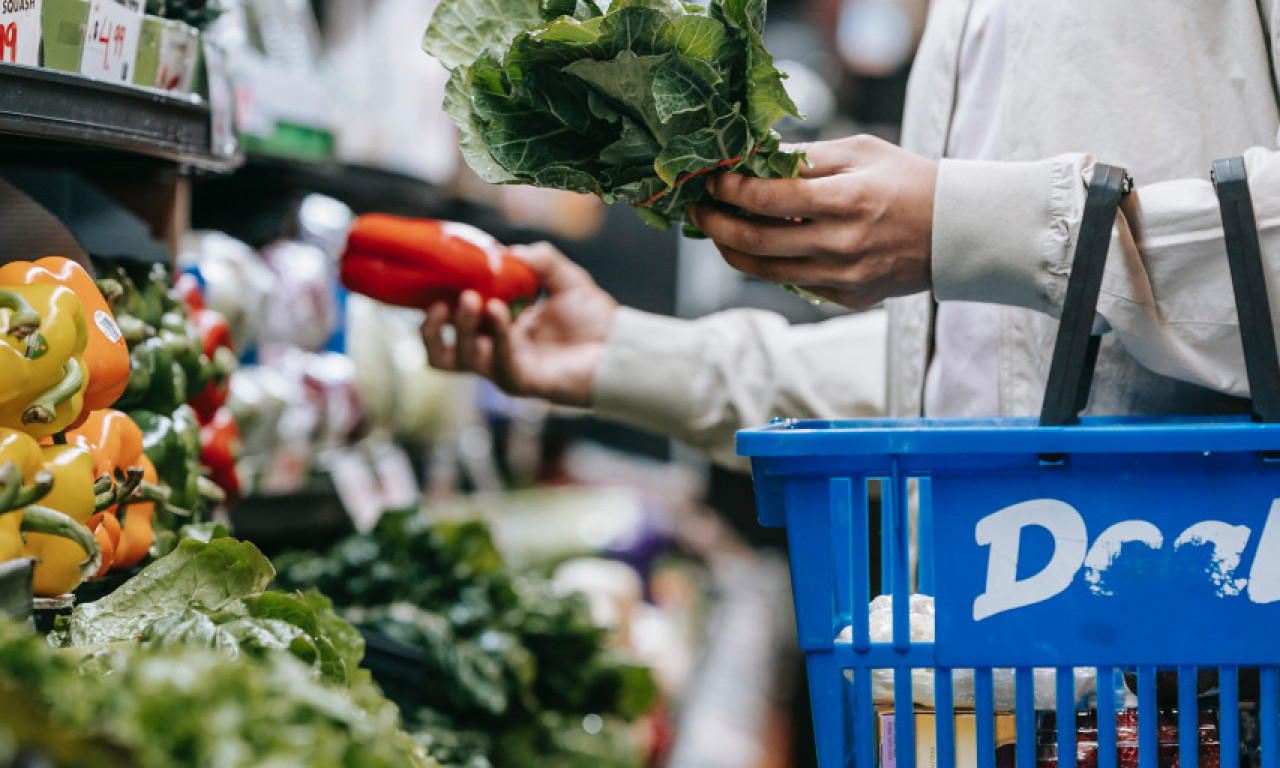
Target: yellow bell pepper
x=64 y=562
x=20 y=462
x=43 y=376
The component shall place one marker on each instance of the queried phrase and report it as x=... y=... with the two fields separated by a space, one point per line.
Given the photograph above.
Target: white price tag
x=357 y=487
x=395 y=475
x=221 y=101
x=177 y=66
x=20 y=32
x=111 y=40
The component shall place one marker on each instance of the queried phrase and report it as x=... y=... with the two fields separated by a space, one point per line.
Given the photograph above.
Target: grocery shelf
x=47 y=110
x=256 y=202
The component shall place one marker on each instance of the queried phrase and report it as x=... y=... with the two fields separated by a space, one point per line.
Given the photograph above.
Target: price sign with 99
x=111 y=39
x=20 y=31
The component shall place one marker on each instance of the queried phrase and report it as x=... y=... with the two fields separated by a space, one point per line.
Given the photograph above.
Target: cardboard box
x=966 y=740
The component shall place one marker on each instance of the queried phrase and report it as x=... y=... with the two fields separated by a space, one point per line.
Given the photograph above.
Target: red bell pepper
x=220 y=449
x=419 y=262
x=216 y=343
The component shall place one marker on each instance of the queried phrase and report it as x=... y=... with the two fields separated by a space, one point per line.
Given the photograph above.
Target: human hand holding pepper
x=855 y=228
x=551 y=350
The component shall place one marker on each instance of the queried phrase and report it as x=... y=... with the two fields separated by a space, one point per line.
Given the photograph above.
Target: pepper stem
x=209 y=491
x=40 y=486
x=37 y=519
x=120 y=492
x=25 y=320
x=134 y=329
x=111 y=290
x=11 y=477
x=159 y=496
x=44 y=409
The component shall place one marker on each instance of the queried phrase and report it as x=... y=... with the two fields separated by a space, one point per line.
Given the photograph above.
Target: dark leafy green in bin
x=508 y=666
x=632 y=100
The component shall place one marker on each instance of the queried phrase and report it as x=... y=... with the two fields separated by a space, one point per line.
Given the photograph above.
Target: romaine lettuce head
x=634 y=101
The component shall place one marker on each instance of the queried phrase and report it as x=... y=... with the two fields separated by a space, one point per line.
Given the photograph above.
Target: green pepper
x=183 y=340
x=172 y=443
x=157 y=381
x=161 y=442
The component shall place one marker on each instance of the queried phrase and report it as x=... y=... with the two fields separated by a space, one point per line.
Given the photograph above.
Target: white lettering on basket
x=1001 y=533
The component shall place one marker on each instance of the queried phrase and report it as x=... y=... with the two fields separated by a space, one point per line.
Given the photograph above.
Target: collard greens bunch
x=633 y=102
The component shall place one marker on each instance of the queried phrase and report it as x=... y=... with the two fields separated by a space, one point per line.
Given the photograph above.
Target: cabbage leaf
x=633 y=100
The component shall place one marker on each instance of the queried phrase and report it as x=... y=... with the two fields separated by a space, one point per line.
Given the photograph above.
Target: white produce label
x=20 y=32
x=111 y=40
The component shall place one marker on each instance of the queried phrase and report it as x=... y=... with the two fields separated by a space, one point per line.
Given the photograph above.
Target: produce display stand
x=51 y=108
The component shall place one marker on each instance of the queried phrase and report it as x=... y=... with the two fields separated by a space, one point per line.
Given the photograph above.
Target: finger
x=774 y=237
x=466 y=322
x=773 y=269
x=555 y=271
x=505 y=372
x=439 y=350
x=827 y=158
x=788 y=198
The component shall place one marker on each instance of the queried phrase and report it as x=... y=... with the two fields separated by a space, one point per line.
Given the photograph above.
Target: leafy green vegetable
x=150 y=708
x=501 y=657
x=195 y=574
x=212 y=595
x=632 y=102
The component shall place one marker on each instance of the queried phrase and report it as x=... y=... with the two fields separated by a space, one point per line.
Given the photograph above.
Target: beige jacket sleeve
x=1006 y=232
x=699 y=381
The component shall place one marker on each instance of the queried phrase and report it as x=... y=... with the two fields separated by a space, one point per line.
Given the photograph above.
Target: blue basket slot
x=984 y=723
x=1065 y=685
x=808 y=526
x=945 y=719
x=1024 y=690
x=904 y=721
x=1106 y=717
x=825 y=683
x=1188 y=719
x=924 y=487
x=864 y=714
x=844 y=550
x=1148 y=736
x=1228 y=701
x=1269 y=714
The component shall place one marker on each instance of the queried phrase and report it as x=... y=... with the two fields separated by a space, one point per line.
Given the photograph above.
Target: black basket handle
x=1075 y=352
x=1248 y=279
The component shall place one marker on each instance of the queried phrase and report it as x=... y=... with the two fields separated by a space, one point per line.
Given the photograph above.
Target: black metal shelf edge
x=60 y=107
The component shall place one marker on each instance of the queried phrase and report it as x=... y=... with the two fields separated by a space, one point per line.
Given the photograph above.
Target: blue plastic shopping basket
x=1142 y=545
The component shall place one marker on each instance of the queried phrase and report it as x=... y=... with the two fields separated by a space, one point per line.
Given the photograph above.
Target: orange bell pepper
x=106 y=355
x=115 y=442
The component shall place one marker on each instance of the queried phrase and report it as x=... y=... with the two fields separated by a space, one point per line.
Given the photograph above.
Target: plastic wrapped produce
x=304 y=309
x=237 y=282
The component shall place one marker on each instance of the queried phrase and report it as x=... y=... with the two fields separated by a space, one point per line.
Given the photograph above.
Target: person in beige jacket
x=966 y=232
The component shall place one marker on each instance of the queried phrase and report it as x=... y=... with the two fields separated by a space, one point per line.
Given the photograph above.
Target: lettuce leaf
x=634 y=101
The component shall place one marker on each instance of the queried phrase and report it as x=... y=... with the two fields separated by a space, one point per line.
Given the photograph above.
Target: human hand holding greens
x=855 y=228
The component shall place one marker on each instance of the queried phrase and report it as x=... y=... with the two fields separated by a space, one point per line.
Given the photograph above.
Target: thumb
x=554 y=270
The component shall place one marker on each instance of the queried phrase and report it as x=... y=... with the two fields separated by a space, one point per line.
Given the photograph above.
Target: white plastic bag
x=922 y=680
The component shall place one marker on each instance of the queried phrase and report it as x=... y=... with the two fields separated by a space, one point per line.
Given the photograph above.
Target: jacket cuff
x=1003 y=231
x=643 y=377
